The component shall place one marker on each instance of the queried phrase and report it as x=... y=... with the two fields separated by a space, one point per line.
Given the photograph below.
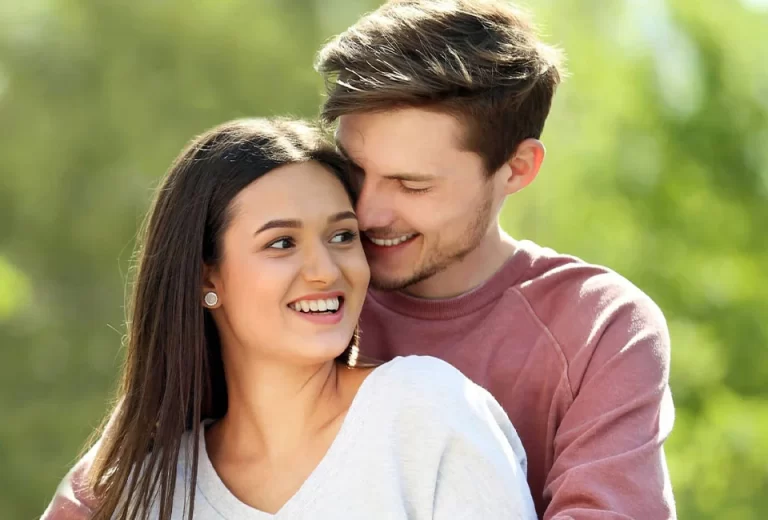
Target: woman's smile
x=320 y=308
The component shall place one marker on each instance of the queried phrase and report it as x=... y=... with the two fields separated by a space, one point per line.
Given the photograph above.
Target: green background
x=657 y=166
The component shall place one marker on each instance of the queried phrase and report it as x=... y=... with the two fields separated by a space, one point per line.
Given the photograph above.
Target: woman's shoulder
x=427 y=382
x=432 y=395
x=423 y=368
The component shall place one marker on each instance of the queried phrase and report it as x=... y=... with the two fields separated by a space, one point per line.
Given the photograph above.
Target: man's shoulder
x=565 y=285
x=552 y=270
x=584 y=305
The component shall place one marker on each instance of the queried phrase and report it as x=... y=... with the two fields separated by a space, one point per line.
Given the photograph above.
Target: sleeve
x=72 y=500
x=482 y=468
x=609 y=460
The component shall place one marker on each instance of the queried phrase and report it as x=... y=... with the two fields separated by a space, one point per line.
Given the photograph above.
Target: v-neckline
x=214 y=491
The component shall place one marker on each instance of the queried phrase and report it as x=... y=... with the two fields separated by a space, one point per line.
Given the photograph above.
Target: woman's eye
x=344 y=236
x=281 y=243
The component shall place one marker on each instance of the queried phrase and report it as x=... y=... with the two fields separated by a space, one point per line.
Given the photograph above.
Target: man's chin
x=398 y=283
x=389 y=284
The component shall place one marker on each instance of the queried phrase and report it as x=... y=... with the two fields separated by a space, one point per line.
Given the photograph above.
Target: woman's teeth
x=327 y=305
x=390 y=242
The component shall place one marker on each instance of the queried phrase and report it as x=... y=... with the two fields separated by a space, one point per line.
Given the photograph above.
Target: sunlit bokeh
x=657 y=167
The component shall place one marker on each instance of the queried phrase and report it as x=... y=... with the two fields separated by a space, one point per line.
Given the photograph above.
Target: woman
x=242 y=340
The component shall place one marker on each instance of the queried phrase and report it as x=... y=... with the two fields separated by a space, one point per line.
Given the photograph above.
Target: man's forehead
x=400 y=130
x=412 y=161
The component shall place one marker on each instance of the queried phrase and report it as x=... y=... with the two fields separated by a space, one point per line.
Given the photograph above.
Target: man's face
x=425 y=202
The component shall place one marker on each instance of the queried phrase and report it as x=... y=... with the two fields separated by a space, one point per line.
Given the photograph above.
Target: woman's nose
x=320 y=266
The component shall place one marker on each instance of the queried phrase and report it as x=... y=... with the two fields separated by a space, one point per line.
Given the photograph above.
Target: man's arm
x=72 y=500
x=609 y=459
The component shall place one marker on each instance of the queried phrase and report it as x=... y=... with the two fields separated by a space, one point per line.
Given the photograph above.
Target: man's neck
x=470 y=272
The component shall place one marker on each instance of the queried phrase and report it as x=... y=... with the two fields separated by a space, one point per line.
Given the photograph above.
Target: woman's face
x=293 y=275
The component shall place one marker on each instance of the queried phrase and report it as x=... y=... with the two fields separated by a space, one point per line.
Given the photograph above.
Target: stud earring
x=211 y=298
x=353 y=353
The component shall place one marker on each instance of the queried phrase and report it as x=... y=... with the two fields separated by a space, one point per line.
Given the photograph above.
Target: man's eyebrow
x=346 y=155
x=405 y=176
x=296 y=224
x=408 y=177
x=341 y=149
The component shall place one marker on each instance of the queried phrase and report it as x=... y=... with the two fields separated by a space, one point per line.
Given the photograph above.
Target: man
x=440 y=106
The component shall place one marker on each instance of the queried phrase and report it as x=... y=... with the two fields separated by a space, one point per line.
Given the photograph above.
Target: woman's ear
x=524 y=165
x=211 y=287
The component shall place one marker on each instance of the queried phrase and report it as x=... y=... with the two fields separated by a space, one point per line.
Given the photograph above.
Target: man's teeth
x=329 y=304
x=390 y=242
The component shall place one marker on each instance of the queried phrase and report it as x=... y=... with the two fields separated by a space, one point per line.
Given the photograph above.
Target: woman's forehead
x=305 y=191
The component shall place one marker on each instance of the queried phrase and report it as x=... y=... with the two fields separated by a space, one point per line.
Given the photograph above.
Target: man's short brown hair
x=480 y=61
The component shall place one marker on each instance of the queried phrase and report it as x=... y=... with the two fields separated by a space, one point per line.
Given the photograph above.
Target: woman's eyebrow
x=279 y=223
x=296 y=224
x=342 y=215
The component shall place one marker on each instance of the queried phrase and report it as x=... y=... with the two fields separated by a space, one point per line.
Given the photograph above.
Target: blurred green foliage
x=657 y=167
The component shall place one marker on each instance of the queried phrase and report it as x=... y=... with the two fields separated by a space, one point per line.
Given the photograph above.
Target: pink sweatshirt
x=579 y=359
x=577 y=356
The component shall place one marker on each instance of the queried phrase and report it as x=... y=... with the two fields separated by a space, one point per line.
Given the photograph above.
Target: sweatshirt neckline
x=489 y=291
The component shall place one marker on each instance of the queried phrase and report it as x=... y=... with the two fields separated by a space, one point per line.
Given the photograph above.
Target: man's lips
x=391 y=242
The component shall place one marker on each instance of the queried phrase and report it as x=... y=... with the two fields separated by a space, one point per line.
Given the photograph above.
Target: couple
x=252 y=278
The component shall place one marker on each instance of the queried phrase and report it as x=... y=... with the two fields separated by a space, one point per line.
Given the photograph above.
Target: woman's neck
x=274 y=409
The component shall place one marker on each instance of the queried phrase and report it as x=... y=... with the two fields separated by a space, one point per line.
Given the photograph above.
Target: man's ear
x=523 y=167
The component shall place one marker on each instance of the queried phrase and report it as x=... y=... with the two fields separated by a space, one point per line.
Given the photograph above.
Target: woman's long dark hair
x=173 y=375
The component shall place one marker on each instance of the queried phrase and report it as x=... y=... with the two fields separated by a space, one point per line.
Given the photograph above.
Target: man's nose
x=374 y=206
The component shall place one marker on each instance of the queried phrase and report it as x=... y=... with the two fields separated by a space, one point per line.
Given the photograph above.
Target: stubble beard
x=439 y=260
